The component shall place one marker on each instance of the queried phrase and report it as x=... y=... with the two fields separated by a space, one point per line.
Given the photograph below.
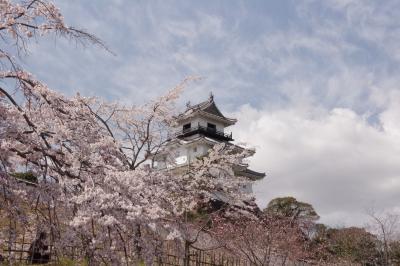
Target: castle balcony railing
x=206 y=131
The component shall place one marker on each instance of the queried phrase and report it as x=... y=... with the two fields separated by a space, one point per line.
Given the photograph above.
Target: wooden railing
x=195 y=257
x=20 y=253
x=208 y=131
x=198 y=257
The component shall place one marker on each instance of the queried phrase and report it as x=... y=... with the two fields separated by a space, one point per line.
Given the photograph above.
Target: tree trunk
x=138 y=248
x=186 y=259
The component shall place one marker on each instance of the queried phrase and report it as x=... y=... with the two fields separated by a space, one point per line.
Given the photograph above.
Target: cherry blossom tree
x=95 y=191
x=26 y=141
x=263 y=241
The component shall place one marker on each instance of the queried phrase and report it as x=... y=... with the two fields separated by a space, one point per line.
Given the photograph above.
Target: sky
x=314 y=84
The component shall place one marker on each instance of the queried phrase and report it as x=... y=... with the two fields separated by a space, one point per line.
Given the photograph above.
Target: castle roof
x=207 y=108
x=250 y=174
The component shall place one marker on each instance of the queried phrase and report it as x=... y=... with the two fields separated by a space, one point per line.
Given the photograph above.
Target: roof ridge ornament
x=207 y=108
x=211 y=97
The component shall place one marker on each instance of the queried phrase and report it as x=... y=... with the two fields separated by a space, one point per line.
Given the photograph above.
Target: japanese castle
x=198 y=128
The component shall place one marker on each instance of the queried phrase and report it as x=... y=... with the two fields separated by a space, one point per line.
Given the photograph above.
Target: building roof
x=252 y=175
x=207 y=108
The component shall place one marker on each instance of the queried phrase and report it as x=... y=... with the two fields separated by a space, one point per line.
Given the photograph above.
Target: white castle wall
x=195 y=121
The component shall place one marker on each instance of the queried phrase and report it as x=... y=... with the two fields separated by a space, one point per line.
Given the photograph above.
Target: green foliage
x=70 y=262
x=28 y=176
x=196 y=215
x=289 y=207
x=320 y=233
x=353 y=244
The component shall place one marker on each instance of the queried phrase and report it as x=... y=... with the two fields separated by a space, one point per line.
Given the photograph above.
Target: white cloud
x=334 y=159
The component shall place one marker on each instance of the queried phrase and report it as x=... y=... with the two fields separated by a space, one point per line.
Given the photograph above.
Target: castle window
x=211 y=126
x=195 y=149
x=186 y=127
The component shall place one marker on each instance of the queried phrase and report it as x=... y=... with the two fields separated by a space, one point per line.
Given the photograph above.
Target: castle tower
x=198 y=129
